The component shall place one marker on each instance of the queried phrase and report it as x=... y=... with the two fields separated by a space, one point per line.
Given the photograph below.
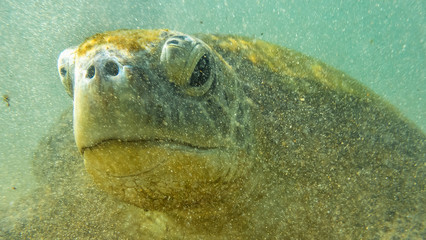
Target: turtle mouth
x=119 y=158
x=170 y=143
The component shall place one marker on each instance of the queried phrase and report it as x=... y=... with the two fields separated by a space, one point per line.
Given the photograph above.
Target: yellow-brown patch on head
x=235 y=45
x=232 y=44
x=321 y=74
x=227 y=45
x=213 y=37
x=244 y=44
x=318 y=71
x=252 y=58
x=131 y=40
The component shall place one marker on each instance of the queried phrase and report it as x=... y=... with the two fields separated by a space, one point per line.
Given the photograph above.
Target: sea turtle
x=223 y=137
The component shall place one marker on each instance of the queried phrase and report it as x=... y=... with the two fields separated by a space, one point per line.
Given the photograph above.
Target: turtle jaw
x=159 y=176
x=114 y=159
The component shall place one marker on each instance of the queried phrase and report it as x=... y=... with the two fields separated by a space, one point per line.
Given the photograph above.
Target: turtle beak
x=102 y=88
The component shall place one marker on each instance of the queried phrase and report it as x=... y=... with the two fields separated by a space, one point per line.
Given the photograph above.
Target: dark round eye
x=90 y=72
x=201 y=72
x=111 y=68
x=63 y=72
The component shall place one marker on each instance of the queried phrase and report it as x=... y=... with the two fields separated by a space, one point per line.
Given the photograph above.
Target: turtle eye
x=90 y=72
x=189 y=64
x=201 y=72
x=111 y=68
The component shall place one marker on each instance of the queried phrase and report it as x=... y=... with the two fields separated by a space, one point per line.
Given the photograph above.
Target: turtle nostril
x=63 y=71
x=90 y=72
x=111 y=68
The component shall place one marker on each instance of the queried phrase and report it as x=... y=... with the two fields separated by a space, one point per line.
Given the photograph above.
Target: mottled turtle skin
x=222 y=137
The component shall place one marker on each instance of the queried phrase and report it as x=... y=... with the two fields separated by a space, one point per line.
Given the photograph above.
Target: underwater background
x=380 y=43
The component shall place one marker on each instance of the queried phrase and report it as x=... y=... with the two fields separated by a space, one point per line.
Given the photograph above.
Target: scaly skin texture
x=349 y=166
x=277 y=146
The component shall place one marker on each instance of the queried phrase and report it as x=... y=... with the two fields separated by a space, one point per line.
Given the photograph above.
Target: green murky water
x=380 y=43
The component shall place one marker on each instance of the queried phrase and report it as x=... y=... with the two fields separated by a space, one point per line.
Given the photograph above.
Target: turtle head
x=158 y=117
